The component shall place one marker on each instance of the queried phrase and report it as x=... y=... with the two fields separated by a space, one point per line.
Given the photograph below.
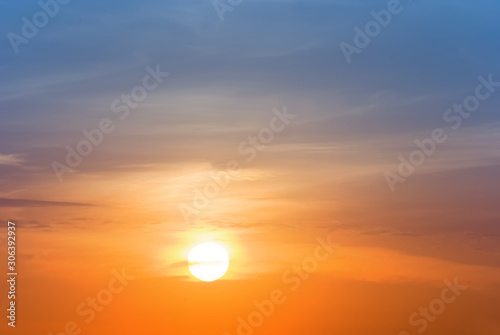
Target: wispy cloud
x=10 y=159
x=6 y=202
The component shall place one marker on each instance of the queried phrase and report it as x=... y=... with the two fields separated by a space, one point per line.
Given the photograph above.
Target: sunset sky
x=258 y=133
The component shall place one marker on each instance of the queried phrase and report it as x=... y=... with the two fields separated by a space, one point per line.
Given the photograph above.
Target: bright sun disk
x=208 y=261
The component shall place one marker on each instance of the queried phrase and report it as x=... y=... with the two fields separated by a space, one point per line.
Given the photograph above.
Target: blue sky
x=91 y=50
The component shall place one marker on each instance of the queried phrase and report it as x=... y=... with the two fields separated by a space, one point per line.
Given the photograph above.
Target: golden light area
x=208 y=261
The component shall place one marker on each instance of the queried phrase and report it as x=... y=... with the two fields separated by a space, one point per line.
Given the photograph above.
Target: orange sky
x=377 y=276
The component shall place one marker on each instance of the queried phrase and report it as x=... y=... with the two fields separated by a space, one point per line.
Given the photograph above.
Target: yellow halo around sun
x=208 y=261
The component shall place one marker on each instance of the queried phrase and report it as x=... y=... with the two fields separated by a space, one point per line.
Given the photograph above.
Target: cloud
x=10 y=159
x=5 y=202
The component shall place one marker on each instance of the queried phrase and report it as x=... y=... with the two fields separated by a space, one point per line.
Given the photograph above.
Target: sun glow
x=208 y=261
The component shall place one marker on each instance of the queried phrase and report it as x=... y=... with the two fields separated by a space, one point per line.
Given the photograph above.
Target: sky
x=132 y=131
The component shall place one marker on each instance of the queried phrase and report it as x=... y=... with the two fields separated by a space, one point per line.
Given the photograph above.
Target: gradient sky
x=324 y=174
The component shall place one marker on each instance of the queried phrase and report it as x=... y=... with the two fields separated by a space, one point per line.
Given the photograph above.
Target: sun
x=208 y=261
